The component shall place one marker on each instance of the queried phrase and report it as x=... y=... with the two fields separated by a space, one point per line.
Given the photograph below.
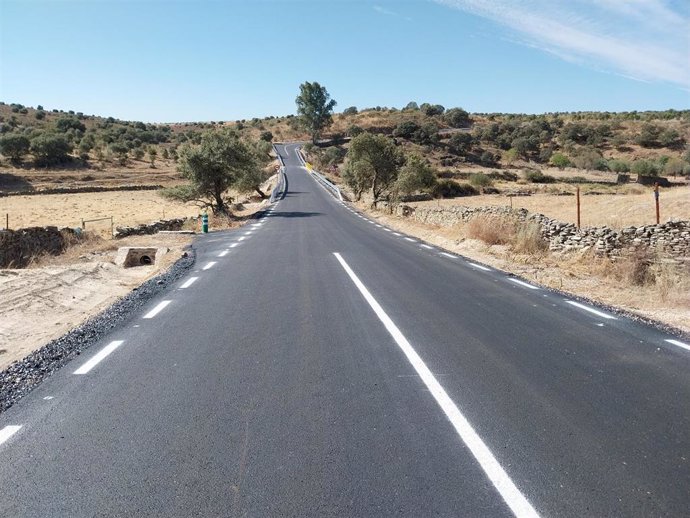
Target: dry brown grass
x=614 y=210
x=522 y=238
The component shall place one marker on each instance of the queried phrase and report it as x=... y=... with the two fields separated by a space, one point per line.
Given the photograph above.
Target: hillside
x=58 y=148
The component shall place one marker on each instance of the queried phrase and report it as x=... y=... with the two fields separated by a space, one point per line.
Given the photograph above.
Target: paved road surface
x=391 y=379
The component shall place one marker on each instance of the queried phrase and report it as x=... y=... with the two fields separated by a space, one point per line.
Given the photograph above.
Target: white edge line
x=679 y=344
x=208 y=265
x=446 y=254
x=8 y=432
x=157 y=309
x=99 y=356
x=427 y=247
x=497 y=475
x=396 y=234
x=591 y=310
x=410 y=239
x=480 y=267
x=521 y=283
x=189 y=282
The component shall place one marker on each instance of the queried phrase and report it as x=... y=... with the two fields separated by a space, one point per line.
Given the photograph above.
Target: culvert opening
x=145 y=259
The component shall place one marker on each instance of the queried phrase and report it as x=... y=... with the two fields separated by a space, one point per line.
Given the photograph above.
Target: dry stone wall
x=18 y=247
x=671 y=238
x=151 y=228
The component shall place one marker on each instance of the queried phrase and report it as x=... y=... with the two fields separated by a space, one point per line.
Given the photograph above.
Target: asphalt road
x=317 y=364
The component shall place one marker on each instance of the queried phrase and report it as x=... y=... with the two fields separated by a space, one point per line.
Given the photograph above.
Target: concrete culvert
x=145 y=259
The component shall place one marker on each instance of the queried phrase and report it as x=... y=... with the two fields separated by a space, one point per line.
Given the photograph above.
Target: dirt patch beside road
x=43 y=303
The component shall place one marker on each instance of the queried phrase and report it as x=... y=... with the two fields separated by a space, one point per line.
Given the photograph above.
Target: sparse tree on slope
x=315 y=107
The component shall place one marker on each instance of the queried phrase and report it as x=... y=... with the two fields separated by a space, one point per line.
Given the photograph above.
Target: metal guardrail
x=319 y=177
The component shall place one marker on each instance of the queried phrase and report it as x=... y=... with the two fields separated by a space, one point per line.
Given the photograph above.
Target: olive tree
x=14 y=146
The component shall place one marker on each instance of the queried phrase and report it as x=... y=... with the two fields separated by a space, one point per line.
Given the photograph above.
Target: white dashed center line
x=234 y=245
x=99 y=357
x=242 y=238
x=224 y=253
x=208 y=265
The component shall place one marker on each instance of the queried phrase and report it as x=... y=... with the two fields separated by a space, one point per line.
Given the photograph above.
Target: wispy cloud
x=642 y=39
x=388 y=12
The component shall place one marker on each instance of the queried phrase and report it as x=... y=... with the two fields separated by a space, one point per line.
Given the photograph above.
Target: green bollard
x=204 y=223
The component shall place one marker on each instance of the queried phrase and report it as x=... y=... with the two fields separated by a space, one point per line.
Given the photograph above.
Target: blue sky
x=167 y=61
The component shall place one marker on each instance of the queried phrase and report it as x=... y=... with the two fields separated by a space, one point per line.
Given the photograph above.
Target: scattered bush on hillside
x=267 y=136
x=536 y=176
x=676 y=166
x=618 y=166
x=411 y=106
x=457 y=118
x=431 y=110
x=14 y=146
x=405 y=129
x=648 y=136
x=352 y=110
x=353 y=130
x=460 y=143
x=480 y=180
x=50 y=149
x=589 y=158
x=559 y=160
x=644 y=168
x=452 y=189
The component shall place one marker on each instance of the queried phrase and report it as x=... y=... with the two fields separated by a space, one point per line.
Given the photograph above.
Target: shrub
x=460 y=143
x=644 y=168
x=354 y=130
x=40 y=115
x=559 y=160
x=538 y=177
x=352 y=110
x=267 y=136
x=457 y=118
x=619 y=166
x=529 y=240
x=493 y=230
x=14 y=146
x=487 y=158
x=65 y=123
x=431 y=110
x=480 y=180
x=50 y=149
x=451 y=189
x=405 y=129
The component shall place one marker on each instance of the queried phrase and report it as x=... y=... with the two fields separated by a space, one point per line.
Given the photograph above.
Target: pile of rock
x=151 y=228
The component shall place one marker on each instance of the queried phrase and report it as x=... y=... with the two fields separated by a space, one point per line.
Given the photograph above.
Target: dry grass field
x=613 y=210
x=126 y=208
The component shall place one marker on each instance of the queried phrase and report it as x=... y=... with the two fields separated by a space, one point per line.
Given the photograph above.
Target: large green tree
x=222 y=160
x=372 y=165
x=315 y=108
